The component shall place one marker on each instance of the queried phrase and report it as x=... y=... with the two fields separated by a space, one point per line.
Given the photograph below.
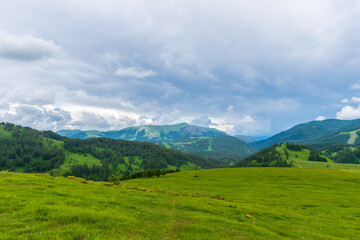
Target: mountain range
x=147 y=133
x=208 y=142
x=316 y=133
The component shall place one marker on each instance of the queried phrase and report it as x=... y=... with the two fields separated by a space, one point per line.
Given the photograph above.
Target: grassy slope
x=4 y=133
x=352 y=137
x=302 y=155
x=301 y=158
x=239 y=203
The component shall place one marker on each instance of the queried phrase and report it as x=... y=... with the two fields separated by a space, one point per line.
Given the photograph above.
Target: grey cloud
x=278 y=62
x=203 y=121
x=91 y=121
x=38 y=117
x=26 y=47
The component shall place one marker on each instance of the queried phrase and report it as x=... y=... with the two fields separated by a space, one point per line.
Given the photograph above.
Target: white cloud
x=134 y=72
x=246 y=125
x=355 y=99
x=348 y=113
x=320 y=118
x=355 y=86
x=26 y=47
x=345 y=100
x=230 y=108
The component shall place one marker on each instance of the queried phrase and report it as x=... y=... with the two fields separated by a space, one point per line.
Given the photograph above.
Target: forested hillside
x=27 y=150
x=282 y=155
x=228 y=148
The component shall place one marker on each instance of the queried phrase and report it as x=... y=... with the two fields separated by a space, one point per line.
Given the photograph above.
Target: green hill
x=237 y=203
x=281 y=155
x=294 y=155
x=323 y=133
x=147 y=133
x=24 y=149
x=231 y=149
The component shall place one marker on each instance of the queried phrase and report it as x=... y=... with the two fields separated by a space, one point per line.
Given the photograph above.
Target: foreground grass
x=239 y=203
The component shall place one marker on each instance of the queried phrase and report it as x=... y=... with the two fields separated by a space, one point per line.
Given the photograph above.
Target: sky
x=245 y=67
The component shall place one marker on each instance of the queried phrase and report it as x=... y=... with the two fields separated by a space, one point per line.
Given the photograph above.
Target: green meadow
x=236 y=203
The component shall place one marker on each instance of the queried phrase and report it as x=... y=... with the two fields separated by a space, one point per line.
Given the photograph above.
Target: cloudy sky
x=246 y=67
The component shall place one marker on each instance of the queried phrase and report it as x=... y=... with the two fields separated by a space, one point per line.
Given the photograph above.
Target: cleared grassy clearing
x=50 y=143
x=76 y=159
x=211 y=141
x=296 y=156
x=4 y=133
x=239 y=203
x=353 y=136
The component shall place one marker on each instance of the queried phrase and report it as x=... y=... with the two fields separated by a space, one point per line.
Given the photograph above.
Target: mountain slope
x=208 y=142
x=330 y=131
x=147 y=133
x=247 y=139
x=216 y=146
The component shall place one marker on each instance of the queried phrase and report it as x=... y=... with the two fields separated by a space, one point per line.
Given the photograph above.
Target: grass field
x=238 y=203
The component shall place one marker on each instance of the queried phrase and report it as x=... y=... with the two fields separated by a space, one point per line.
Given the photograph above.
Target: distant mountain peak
x=148 y=133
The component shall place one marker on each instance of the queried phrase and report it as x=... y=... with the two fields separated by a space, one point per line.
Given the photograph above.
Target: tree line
x=111 y=152
x=146 y=173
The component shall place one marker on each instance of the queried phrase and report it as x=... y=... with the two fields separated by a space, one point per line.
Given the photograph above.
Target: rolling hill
x=281 y=155
x=321 y=133
x=294 y=155
x=147 y=133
